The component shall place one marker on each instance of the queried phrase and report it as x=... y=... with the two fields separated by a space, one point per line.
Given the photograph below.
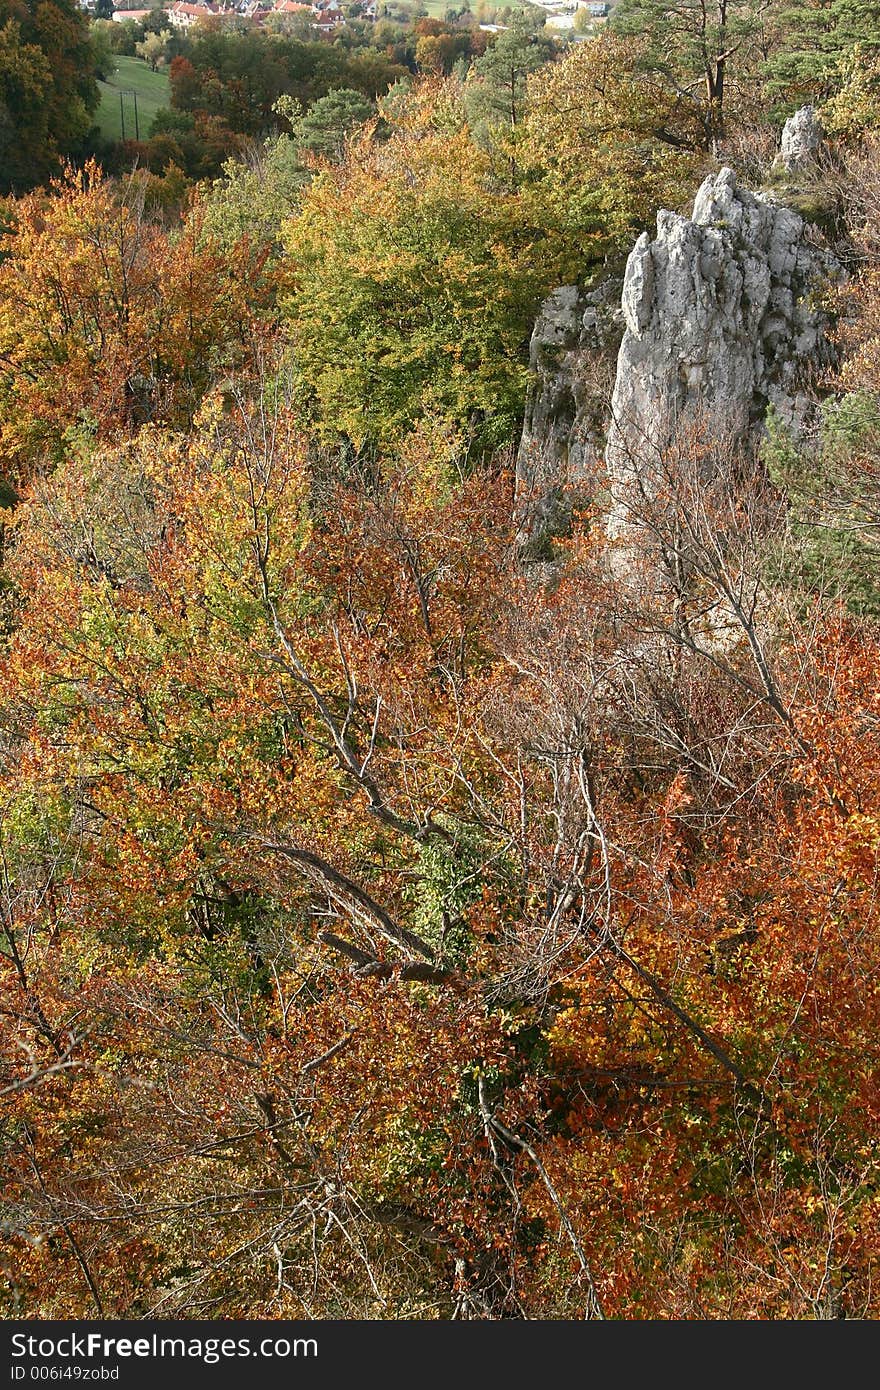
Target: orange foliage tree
x=389 y=929
x=383 y=940
x=107 y=320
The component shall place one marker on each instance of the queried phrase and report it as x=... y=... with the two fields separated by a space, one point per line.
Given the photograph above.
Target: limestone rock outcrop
x=720 y=316
x=801 y=141
x=571 y=355
x=723 y=318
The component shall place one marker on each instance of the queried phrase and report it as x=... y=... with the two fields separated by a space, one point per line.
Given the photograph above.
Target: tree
x=103 y=53
x=231 y=84
x=813 y=44
x=47 y=88
x=231 y=921
x=496 y=91
x=602 y=145
x=105 y=321
x=518 y=942
x=154 y=48
x=385 y=932
x=855 y=107
x=832 y=541
x=417 y=266
x=185 y=84
x=832 y=544
x=256 y=195
x=25 y=87
x=703 y=53
x=534 y=973
x=325 y=127
x=125 y=36
x=411 y=293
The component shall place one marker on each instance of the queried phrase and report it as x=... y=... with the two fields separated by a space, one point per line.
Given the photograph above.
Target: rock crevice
x=571 y=356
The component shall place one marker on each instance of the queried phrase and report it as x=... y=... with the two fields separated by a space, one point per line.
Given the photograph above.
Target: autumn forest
x=408 y=912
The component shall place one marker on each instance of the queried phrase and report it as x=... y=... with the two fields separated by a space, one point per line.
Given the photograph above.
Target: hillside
x=439 y=696
x=133 y=95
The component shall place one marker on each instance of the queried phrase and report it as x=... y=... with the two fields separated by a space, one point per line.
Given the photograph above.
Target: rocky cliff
x=572 y=353
x=722 y=316
x=801 y=143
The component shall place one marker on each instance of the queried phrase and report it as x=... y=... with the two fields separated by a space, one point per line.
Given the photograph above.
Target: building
x=184 y=16
x=328 y=17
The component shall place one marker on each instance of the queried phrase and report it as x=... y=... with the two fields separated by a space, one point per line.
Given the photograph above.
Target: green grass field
x=131 y=75
x=437 y=8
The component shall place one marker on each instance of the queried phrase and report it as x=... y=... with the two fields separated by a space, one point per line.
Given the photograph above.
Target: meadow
x=131 y=97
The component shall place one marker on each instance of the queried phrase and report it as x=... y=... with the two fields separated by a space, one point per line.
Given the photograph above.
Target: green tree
x=124 y=36
x=156 y=21
x=238 y=77
x=496 y=92
x=833 y=542
x=103 y=52
x=814 y=43
x=583 y=20
x=255 y=196
x=855 y=107
x=326 y=125
x=25 y=85
x=154 y=48
x=601 y=146
x=414 y=286
x=701 y=49
x=47 y=88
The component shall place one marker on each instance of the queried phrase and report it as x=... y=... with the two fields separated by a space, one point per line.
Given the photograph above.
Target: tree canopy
x=394 y=924
x=48 y=91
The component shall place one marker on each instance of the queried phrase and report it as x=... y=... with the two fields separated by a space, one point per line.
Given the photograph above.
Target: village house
x=184 y=16
x=291 y=7
x=328 y=16
x=254 y=10
x=324 y=15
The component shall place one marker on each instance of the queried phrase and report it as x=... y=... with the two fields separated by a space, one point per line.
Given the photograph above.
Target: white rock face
x=801 y=140
x=722 y=320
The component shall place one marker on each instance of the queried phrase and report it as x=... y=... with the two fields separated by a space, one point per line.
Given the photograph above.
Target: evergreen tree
x=814 y=42
x=701 y=48
x=497 y=92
